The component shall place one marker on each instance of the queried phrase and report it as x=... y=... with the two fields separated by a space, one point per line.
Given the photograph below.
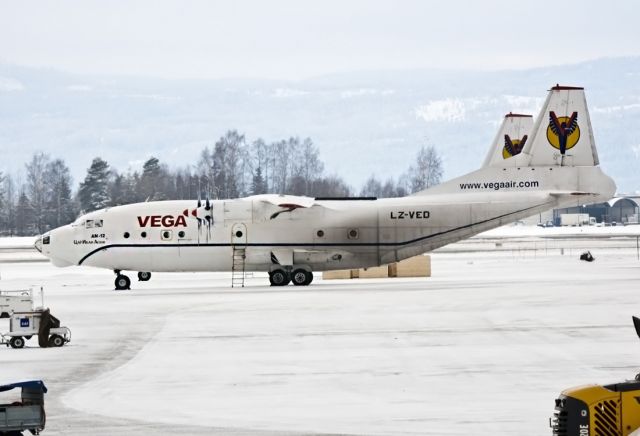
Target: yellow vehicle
x=595 y=410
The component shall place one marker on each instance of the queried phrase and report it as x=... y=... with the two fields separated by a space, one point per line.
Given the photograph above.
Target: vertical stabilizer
x=562 y=134
x=511 y=139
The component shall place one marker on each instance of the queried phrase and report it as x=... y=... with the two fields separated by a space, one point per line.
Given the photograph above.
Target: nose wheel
x=122 y=282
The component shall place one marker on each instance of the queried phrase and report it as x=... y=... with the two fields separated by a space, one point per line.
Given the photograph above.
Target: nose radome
x=38 y=244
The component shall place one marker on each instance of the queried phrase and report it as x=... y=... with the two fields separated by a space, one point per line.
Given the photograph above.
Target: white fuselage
x=319 y=234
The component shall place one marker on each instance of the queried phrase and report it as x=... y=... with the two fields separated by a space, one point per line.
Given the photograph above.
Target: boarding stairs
x=237 y=269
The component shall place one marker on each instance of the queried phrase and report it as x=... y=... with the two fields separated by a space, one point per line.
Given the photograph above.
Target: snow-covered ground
x=511 y=231
x=483 y=347
x=17 y=242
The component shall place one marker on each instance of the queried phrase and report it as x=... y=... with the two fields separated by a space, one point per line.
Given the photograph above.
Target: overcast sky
x=295 y=39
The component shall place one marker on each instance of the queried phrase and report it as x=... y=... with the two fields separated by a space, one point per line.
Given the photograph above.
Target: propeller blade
x=207 y=205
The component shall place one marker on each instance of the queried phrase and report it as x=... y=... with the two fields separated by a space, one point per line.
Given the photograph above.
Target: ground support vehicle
x=25 y=414
x=24 y=325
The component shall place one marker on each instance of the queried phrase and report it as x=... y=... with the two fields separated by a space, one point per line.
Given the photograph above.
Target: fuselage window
x=143 y=234
x=126 y=235
x=181 y=234
x=166 y=235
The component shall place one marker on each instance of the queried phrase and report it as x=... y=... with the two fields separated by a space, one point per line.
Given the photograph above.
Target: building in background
x=624 y=209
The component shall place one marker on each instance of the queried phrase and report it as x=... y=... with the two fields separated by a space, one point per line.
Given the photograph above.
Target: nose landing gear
x=122 y=282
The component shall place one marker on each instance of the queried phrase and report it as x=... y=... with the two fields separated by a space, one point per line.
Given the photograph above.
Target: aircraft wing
x=286 y=201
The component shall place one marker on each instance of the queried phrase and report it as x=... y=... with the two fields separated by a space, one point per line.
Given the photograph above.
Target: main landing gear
x=282 y=277
x=123 y=282
x=144 y=276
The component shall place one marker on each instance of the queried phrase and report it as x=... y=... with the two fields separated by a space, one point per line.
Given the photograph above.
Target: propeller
x=204 y=216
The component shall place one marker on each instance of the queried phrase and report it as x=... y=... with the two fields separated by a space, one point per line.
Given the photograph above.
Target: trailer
x=15 y=301
x=26 y=413
x=24 y=325
x=575 y=219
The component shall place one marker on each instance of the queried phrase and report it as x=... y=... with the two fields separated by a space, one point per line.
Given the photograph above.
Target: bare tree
x=306 y=166
x=10 y=204
x=332 y=186
x=427 y=171
x=37 y=189
x=226 y=170
x=372 y=187
x=281 y=165
x=3 y=204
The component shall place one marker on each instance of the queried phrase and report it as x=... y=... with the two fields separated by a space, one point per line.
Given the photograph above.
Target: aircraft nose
x=38 y=244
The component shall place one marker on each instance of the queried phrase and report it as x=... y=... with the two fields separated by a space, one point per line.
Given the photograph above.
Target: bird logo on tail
x=512 y=147
x=563 y=133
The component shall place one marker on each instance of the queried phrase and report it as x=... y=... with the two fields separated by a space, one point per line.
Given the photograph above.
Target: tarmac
x=482 y=347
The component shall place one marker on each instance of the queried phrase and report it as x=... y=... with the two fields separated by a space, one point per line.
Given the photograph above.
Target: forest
x=43 y=196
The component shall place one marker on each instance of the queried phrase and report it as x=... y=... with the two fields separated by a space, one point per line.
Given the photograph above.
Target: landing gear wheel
x=16 y=342
x=144 y=276
x=56 y=341
x=301 y=277
x=122 y=282
x=279 y=277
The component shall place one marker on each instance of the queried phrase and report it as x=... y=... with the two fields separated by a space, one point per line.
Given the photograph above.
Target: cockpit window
x=46 y=240
x=90 y=224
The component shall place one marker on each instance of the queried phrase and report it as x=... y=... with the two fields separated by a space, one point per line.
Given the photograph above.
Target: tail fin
x=512 y=137
x=562 y=134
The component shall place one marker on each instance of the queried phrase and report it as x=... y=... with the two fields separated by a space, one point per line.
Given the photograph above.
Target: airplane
x=290 y=237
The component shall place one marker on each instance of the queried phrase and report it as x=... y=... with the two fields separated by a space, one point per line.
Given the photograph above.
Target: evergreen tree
x=24 y=216
x=94 y=191
x=59 y=204
x=151 y=181
x=258 y=185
